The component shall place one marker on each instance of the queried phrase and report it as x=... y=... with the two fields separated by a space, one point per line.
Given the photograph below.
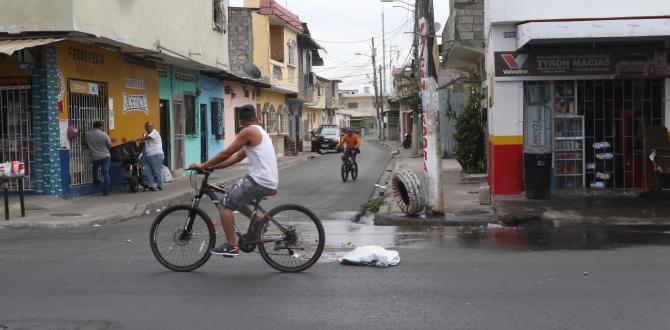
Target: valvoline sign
x=615 y=62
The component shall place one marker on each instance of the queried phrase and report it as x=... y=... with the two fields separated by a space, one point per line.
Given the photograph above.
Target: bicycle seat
x=272 y=193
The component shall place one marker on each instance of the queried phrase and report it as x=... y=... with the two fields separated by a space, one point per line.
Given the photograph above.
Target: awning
x=571 y=31
x=9 y=46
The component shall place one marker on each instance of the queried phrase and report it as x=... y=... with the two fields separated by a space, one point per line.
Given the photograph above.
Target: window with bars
x=162 y=70
x=219 y=16
x=276 y=73
x=190 y=119
x=292 y=54
x=184 y=75
x=217 y=117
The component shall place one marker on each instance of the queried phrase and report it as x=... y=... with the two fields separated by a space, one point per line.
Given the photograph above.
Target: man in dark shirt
x=98 y=143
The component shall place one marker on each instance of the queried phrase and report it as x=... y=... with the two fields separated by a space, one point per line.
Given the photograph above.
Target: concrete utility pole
x=381 y=100
x=432 y=160
x=374 y=73
x=383 y=79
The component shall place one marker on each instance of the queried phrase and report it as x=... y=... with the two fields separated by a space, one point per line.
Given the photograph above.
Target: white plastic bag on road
x=372 y=255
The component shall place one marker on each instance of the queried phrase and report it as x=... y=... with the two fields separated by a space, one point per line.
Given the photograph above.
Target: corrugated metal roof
x=9 y=46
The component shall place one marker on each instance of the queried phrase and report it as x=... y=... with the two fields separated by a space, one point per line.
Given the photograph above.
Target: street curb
x=383 y=179
x=401 y=219
x=137 y=211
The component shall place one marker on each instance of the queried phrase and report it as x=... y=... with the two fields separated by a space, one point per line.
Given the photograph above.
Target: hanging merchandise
x=605 y=156
x=603 y=176
x=590 y=166
x=601 y=145
x=598 y=185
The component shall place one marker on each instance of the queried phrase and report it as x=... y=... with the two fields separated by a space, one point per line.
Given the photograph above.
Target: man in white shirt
x=152 y=157
x=254 y=143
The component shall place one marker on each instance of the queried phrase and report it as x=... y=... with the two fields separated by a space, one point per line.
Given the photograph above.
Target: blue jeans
x=153 y=168
x=107 y=181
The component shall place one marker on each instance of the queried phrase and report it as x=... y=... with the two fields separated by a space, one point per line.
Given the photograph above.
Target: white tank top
x=263 y=161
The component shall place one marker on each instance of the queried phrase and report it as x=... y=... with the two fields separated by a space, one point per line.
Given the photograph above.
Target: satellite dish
x=437 y=26
x=252 y=70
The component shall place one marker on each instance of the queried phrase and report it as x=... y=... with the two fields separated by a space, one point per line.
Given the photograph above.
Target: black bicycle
x=349 y=167
x=290 y=238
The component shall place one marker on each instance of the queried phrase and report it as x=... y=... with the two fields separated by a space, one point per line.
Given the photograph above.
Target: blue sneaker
x=226 y=250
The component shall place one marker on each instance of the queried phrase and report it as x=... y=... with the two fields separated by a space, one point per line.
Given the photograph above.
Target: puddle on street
x=345 y=235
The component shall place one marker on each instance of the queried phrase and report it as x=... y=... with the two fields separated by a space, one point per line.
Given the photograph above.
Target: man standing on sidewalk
x=152 y=159
x=98 y=143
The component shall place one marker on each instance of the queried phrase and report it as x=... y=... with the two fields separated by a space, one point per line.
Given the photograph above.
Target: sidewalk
x=53 y=212
x=461 y=198
x=599 y=208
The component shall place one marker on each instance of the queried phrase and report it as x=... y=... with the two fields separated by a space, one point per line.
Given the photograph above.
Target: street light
x=407 y=3
x=405 y=8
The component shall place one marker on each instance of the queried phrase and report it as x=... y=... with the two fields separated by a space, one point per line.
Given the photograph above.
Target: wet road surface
x=448 y=278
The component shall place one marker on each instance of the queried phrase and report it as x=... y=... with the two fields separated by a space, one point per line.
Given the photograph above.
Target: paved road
x=449 y=278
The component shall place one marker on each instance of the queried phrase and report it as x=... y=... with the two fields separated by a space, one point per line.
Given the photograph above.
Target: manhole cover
x=66 y=214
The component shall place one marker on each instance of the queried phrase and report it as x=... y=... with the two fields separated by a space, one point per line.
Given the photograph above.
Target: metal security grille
x=84 y=109
x=16 y=131
x=617 y=112
x=178 y=127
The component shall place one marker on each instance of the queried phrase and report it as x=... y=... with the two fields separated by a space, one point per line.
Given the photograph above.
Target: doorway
x=203 y=133
x=165 y=130
x=87 y=105
x=178 y=127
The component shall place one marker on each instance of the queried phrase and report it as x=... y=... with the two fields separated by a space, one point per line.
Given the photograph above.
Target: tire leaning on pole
x=407 y=186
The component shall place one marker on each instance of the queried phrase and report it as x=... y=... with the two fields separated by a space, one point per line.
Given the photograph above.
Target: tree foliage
x=469 y=137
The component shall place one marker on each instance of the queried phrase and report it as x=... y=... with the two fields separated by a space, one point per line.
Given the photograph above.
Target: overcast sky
x=344 y=27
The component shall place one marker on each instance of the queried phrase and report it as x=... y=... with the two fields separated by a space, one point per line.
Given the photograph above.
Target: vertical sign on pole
x=432 y=161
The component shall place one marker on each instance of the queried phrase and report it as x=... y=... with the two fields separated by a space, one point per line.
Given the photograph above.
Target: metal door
x=165 y=130
x=203 y=132
x=178 y=126
x=16 y=131
x=84 y=109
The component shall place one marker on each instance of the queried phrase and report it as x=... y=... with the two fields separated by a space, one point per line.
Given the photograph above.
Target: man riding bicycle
x=254 y=143
x=353 y=142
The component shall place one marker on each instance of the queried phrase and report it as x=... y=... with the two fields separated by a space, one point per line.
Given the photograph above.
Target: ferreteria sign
x=616 y=62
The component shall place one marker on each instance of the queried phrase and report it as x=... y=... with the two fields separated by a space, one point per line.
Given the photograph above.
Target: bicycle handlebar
x=201 y=171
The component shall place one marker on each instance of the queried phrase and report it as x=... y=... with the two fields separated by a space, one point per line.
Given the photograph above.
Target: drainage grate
x=65 y=214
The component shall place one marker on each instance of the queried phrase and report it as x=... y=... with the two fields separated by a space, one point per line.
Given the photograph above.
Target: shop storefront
x=95 y=84
x=582 y=113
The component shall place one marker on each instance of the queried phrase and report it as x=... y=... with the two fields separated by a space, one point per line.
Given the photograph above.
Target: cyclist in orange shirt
x=353 y=142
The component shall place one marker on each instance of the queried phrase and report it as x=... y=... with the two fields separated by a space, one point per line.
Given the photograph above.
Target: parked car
x=326 y=137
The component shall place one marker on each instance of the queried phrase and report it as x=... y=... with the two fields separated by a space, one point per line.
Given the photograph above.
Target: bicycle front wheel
x=354 y=171
x=177 y=248
x=345 y=171
x=292 y=239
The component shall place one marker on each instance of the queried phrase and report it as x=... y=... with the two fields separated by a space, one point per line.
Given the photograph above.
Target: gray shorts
x=243 y=192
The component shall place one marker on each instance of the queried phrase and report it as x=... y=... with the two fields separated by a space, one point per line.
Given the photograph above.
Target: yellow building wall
x=274 y=98
x=114 y=71
x=10 y=68
x=290 y=36
x=261 y=35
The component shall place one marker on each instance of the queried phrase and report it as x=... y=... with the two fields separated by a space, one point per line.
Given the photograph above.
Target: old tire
x=407 y=187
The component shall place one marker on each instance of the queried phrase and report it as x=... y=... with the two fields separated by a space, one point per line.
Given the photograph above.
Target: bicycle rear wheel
x=345 y=171
x=292 y=240
x=176 y=249
x=354 y=171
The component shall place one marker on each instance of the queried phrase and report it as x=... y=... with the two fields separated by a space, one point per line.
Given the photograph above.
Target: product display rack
x=568 y=138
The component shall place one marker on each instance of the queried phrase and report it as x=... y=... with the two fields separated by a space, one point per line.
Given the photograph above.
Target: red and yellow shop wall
x=130 y=92
x=505 y=164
